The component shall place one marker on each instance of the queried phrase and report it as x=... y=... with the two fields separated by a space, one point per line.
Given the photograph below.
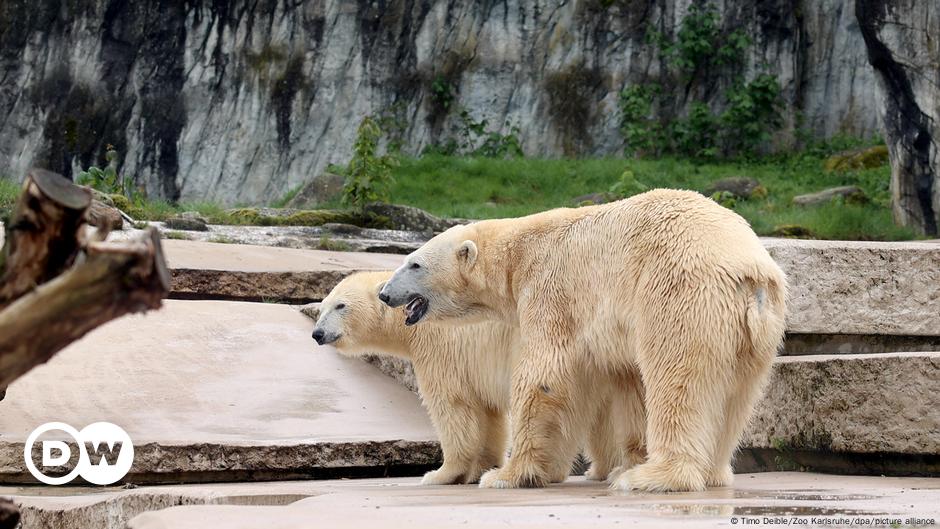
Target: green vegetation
x=9 y=191
x=489 y=188
x=701 y=53
x=368 y=174
x=176 y=235
x=106 y=180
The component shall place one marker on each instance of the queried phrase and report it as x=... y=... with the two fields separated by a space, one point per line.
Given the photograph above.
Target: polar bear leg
x=752 y=373
x=617 y=439
x=459 y=427
x=687 y=375
x=545 y=395
x=495 y=440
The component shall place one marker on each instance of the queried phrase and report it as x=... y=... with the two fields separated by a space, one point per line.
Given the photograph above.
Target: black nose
x=383 y=297
x=318 y=336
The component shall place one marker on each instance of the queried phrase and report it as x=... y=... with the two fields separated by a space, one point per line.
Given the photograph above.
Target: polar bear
x=667 y=281
x=463 y=374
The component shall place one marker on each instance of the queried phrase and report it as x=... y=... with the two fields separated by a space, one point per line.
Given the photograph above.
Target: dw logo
x=105 y=453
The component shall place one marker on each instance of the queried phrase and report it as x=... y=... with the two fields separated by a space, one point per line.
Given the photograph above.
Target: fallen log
x=57 y=283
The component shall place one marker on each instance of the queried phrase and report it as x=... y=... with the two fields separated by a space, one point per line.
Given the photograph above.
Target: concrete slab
x=389 y=503
x=877 y=403
x=874 y=288
x=204 y=270
x=226 y=388
x=837 y=287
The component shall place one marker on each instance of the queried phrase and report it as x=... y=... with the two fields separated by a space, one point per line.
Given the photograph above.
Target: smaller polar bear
x=463 y=373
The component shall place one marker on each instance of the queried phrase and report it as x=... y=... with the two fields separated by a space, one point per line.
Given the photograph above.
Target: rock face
x=902 y=47
x=241 y=101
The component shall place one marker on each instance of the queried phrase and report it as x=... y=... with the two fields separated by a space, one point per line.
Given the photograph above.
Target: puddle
x=800 y=495
x=699 y=509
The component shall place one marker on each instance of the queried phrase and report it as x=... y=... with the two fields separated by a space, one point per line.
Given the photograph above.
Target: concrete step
x=212 y=390
x=865 y=290
x=387 y=503
x=204 y=270
x=216 y=390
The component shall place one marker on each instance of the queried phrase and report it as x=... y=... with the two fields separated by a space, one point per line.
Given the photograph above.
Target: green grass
x=491 y=188
x=9 y=191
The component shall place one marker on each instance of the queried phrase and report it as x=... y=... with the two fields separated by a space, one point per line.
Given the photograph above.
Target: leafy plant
x=753 y=112
x=106 y=180
x=640 y=130
x=701 y=51
x=627 y=185
x=476 y=138
x=368 y=174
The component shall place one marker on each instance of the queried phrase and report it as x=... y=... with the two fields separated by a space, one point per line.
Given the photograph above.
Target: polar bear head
x=436 y=281
x=351 y=316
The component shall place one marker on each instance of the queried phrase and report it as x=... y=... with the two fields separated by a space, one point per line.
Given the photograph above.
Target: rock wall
x=240 y=101
x=903 y=48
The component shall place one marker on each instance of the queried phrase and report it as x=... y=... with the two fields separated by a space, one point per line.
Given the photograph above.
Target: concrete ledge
x=215 y=390
x=837 y=287
x=843 y=287
x=884 y=403
x=203 y=270
x=850 y=413
x=403 y=503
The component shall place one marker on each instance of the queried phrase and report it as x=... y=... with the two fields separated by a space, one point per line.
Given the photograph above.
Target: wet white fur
x=666 y=282
x=463 y=373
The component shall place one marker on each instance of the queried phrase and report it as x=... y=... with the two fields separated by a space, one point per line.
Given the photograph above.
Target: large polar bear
x=463 y=374
x=668 y=281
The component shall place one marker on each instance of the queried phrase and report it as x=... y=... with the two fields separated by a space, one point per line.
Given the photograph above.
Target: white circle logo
x=105 y=453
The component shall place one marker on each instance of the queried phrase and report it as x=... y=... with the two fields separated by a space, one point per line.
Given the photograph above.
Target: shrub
x=368 y=174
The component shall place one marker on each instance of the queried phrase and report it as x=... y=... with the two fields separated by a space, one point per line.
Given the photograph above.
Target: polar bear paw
x=595 y=473
x=493 y=479
x=720 y=477
x=660 y=477
x=450 y=476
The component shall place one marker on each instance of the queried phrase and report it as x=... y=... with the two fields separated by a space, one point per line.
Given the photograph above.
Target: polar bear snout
x=323 y=337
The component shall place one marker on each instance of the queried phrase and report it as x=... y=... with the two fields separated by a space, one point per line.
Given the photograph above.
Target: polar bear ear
x=467 y=252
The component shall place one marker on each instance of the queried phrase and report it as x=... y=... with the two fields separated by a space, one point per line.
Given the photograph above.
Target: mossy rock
x=854 y=160
x=311 y=217
x=740 y=187
x=792 y=231
x=847 y=194
x=124 y=204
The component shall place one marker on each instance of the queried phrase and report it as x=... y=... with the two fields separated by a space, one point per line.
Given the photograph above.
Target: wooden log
x=43 y=235
x=56 y=284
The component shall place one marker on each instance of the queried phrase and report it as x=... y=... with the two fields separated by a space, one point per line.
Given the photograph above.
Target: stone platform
x=393 y=503
x=212 y=390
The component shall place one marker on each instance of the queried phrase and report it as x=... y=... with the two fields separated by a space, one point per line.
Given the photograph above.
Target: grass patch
x=492 y=188
x=176 y=235
x=222 y=239
x=9 y=191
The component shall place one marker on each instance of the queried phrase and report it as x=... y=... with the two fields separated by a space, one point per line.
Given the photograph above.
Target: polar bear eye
x=415 y=266
x=341 y=306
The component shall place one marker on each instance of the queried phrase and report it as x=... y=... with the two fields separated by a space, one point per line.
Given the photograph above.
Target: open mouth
x=416 y=308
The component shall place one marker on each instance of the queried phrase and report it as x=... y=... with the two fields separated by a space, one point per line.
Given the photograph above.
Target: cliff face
x=903 y=49
x=240 y=101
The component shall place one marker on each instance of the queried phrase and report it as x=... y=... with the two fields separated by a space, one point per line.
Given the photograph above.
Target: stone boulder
x=322 y=189
x=851 y=194
x=102 y=215
x=407 y=218
x=188 y=221
x=741 y=187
